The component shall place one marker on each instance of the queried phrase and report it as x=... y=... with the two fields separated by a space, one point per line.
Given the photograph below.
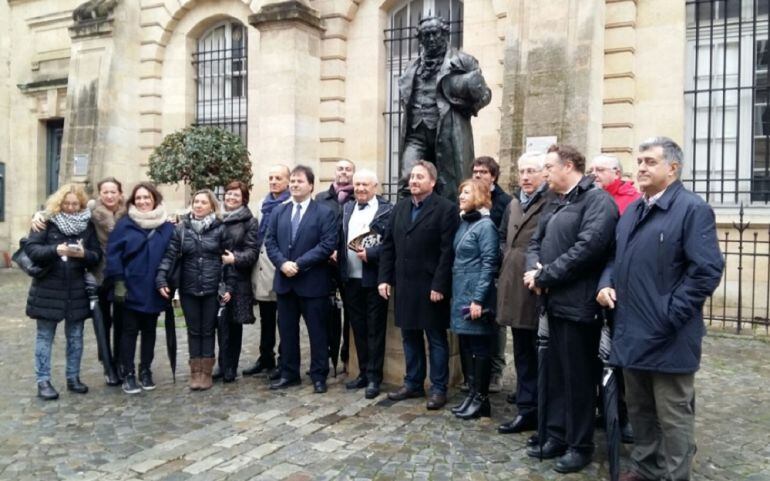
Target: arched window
x=401 y=48
x=221 y=79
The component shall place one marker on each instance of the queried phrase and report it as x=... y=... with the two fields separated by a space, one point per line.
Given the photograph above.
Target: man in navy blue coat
x=301 y=237
x=667 y=262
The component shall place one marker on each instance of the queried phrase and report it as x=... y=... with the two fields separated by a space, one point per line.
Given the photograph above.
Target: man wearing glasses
x=608 y=174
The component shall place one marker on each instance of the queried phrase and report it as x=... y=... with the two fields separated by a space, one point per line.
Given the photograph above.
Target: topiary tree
x=203 y=157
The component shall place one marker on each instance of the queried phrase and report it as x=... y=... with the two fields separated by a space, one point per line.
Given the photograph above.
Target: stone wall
x=5 y=108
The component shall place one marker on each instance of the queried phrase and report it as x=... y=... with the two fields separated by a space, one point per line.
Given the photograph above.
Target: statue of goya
x=440 y=91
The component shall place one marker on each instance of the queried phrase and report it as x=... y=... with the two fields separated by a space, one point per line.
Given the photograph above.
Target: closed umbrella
x=543 y=337
x=102 y=340
x=170 y=325
x=334 y=331
x=610 y=401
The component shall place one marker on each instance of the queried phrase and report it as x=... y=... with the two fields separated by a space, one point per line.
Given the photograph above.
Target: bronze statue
x=94 y=10
x=440 y=91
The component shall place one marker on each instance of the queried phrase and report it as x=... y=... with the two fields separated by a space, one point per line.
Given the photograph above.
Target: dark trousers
x=571 y=400
x=230 y=337
x=267 y=326
x=414 y=354
x=367 y=312
x=525 y=361
x=200 y=315
x=314 y=310
x=135 y=322
x=112 y=315
x=474 y=345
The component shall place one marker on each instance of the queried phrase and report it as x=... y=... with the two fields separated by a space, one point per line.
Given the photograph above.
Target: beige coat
x=264 y=271
x=517 y=305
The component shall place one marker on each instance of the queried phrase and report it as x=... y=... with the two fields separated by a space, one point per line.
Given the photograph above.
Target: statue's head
x=433 y=34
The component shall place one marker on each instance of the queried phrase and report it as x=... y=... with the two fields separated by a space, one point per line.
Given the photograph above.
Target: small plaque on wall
x=80 y=165
x=539 y=144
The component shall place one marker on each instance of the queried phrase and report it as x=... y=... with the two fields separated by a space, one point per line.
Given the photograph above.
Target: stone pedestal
x=287 y=103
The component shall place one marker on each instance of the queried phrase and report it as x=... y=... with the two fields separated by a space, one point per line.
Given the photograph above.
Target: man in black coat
x=565 y=260
x=487 y=170
x=366 y=311
x=416 y=266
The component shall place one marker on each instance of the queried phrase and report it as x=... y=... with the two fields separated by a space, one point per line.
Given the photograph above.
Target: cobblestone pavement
x=245 y=431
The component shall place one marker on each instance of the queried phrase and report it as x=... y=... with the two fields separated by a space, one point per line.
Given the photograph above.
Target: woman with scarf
x=105 y=212
x=473 y=293
x=241 y=253
x=66 y=247
x=264 y=272
x=134 y=250
x=198 y=244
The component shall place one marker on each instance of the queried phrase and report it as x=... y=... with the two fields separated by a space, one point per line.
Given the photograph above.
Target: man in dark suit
x=416 y=266
x=364 y=308
x=300 y=239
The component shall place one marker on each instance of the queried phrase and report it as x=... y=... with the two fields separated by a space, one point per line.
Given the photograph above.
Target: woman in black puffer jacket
x=67 y=247
x=241 y=254
x=198 y=243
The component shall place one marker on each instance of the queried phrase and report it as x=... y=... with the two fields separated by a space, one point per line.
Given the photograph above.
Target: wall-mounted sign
x=539 y=144
x=80 y=165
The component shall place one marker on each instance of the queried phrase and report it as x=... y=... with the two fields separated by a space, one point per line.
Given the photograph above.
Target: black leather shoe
x=572 y=462
x=372 y=390
x=518 y=425
x=229 y=375
x=533 y=441
x=356 y=383
x=46 y=391
x=551 y=449
x=74 y=385
x=626 y=433
x=283 y=383
x=275 y=374
x=436 y=401
x=145 y=380
x=112 y=379
x=259 y=367
x=405 y=393
x=319 y=387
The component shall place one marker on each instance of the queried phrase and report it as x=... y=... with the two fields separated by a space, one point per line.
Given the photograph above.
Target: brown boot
x=207 y=364
x=195 y=370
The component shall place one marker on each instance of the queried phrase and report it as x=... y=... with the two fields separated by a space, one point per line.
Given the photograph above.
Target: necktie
x=295 y=222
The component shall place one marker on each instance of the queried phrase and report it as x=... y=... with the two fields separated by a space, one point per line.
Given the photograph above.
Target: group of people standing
x=554 y=253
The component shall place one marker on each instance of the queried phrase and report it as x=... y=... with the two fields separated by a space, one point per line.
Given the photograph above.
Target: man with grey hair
x=517 y=305
x=608 y=174
x=667 y=262
x=358 y=252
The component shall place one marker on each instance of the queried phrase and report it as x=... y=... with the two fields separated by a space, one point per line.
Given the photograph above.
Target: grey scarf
x=72 y=224
x=199 y=225
x=228 y=213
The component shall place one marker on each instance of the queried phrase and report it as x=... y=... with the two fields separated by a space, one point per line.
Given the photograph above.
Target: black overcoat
x=417 y=258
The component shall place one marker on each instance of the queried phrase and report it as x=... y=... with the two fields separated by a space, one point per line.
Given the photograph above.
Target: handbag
x=174 y=278
x=26 y=264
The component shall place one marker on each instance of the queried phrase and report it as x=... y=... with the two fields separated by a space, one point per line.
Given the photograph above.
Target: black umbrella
x=543 y=337
x=334 y=331
x=102 y=340
x=170 y=324
x=610 y=402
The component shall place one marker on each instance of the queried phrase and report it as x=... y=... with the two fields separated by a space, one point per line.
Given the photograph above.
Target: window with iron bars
x=401 y=48
x=726 y=99
x=221 y=78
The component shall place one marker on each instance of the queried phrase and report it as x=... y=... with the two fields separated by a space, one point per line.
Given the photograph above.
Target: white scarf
x=148 y=220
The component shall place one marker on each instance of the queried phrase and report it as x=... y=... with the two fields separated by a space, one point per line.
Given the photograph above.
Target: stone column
x=553 y=75
x=287 y=106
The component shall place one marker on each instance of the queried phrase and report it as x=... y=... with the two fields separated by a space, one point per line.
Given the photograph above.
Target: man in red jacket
x=607 y=171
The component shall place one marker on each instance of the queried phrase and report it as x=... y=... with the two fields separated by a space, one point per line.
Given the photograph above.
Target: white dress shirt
x=357 y=225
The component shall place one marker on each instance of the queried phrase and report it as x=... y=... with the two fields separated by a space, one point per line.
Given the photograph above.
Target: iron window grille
x=221 y=66
x=726 y=98
x=401 y=48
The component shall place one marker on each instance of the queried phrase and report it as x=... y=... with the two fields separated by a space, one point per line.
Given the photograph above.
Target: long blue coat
x=476 y=249
x=666 y=264
x=134 y=259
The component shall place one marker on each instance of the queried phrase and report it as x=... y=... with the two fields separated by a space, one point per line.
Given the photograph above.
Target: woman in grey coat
x=473 y=294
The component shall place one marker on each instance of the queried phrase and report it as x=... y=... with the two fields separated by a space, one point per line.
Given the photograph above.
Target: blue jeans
x=414 y=354
x=46 y=331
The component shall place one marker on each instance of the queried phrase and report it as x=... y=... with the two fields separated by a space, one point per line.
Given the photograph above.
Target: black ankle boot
x=479 y=406
x=468 y=366
x=46 y=391
x=74 y=385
